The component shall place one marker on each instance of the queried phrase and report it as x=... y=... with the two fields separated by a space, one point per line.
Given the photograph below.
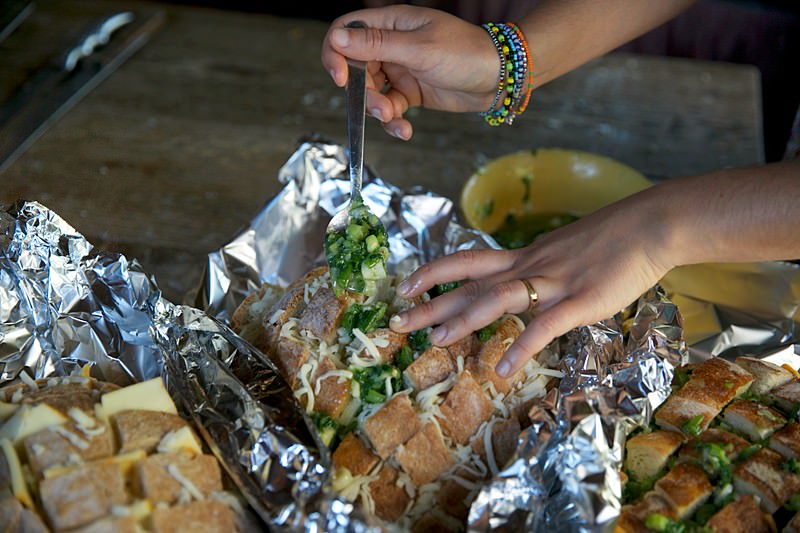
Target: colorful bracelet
x=512 y=49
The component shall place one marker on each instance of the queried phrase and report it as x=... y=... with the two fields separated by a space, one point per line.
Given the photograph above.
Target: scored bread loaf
x=415 y=429
x=81 y=455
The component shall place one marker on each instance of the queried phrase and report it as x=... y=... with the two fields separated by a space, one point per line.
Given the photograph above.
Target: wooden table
x=180 y=147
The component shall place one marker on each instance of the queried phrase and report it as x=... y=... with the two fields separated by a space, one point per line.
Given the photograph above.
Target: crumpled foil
x=63 y=304
x=613 y=381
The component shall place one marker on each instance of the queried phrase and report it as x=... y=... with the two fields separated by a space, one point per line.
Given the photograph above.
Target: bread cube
x=425 y=456
x=389 y=497
x=786 y=441
x=332 y=393
x=209 y=516
x=289 y=357
x=482 y=365
x=323 y=314
x=686 y=487
x=732 y=443
x=464 y=409
x=753 y=419
x=466 y=348
x=392 y=425
x=767 y=375
x=82 y=495
x=353 y=455
x=432 y=366
x=787 y=396
x=679 y=414
x=160 y=477
x=66 y=444
x=14 y=518
x=111 y=524
x=646 y=454
x=387 y=342
x=139 y=429
x=742 y=516
x=762 y=475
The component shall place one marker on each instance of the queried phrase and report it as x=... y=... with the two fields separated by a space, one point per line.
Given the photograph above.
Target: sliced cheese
x=124 y=460
x=180 y=440
x=150 y=395
x=18 y=485
x=6 y=410
x=28 y=420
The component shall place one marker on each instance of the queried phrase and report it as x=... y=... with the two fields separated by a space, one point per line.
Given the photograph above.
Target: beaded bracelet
x=514 y=68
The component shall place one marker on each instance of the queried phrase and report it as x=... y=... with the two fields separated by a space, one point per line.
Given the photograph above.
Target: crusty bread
x=762 y=475
x=392 y=425
x=685 y=487
x=767 y=375
x=353 y=455
x=753 y=419
x=247 y=320
x=424 y=456
x=482 y=365
x=464 y=409
x=647 y=453
x=742 y=516
x=432 y=366
x=389 y=497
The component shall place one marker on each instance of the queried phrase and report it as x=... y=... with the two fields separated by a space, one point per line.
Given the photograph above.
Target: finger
x=464 y=264
x=470 y=312
x=400 y=128
x=379 y=106
x=439 y=309
x=387 y=37
x=545 y=326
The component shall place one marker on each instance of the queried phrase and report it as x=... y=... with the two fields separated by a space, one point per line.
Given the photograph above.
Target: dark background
x=762 y=33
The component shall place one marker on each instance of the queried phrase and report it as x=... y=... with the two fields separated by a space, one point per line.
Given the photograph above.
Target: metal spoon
x=355 y=94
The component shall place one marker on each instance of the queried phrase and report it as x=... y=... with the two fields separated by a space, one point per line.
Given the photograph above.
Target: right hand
x=429 y=58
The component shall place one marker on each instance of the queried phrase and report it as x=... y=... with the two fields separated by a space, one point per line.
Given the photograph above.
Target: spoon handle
x=356 y=95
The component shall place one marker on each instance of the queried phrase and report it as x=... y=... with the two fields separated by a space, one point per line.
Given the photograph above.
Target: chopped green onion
x=693 y=426
x=657 y=522
x=404 y=357
x=485 y=333
x=418 y=340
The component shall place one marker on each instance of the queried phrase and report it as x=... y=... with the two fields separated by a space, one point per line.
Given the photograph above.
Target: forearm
x=746 y=214
x=564 y=34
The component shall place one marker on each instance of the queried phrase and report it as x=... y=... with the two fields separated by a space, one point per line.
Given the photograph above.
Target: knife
x=54 y=89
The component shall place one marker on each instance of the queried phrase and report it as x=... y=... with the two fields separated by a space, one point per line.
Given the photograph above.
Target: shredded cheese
x=185 y=482
x=368 y=344
x=344 y=374
x=305 y=389
x=74 y=439
x=29 y=381
x=85 y=423
x=487 y=443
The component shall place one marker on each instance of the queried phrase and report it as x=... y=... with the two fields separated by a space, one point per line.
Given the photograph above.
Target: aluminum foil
x=63 y=304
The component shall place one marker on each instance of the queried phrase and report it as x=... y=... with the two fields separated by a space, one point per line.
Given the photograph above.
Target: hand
x=583 y=273
x=425 y=57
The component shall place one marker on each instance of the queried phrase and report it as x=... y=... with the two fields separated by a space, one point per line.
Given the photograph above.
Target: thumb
x=375 y=44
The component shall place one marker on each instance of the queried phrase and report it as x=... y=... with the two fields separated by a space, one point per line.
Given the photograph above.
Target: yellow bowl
x=547 y=180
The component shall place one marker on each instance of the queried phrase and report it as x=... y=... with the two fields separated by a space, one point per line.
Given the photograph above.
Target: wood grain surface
x=181 y=146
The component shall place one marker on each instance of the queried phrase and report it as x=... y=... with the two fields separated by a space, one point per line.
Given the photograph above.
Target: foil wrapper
x=63 y=304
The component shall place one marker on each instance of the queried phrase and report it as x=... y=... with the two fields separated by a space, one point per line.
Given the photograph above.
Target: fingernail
x=340 y=37
x=397 y=321
x=439 y=335
x=333 y=74
x=503 y=368
x=404 y=287
x=376 y=112
x=397 y=132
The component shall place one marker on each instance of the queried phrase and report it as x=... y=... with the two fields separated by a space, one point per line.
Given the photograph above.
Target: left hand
x=583 y=273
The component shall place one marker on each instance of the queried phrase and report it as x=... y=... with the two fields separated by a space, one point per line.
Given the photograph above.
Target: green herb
x=418 y=340
x=704 y=512
x=484 y=334
x=747 y=452
x=326 y=426
x=357 y=257
x=792 y=465
x=520 y=231
x=526 y=182
x=793 y=504
x=713 y=456
x=728 y=384
x=372 y=382
x=443 y=288
x=366 y=318
x=679 y=379
x=693 y=426
x=636 y=489
x=758 y=398
x=404 y=357
x=794 y=412
x=657 y=522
